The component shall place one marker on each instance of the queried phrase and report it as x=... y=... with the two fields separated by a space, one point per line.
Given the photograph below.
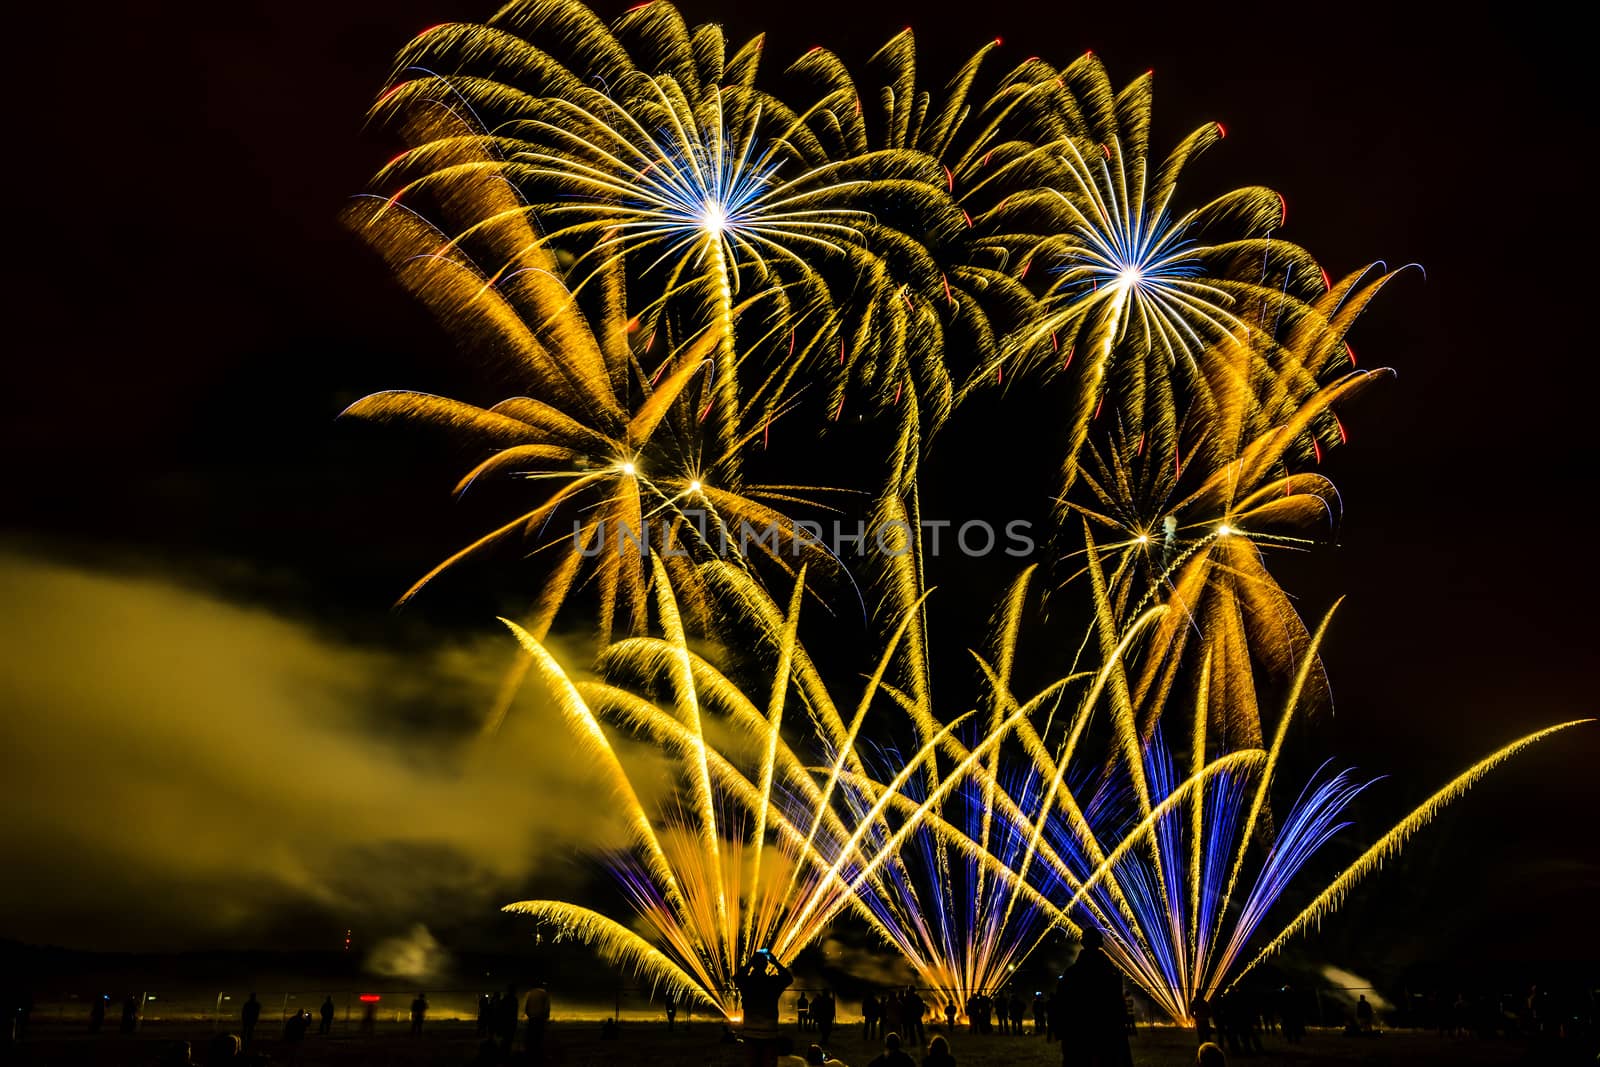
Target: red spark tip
x=387 y=93
x=430 y=29
x=639 y=7
x=1222 y=131
x=813 y=48
x=998 y=41
x=1031 y=59
x=1283 y=210
x=1151 y=73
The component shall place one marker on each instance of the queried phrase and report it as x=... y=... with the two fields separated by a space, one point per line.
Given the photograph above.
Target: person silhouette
x=892 y=1055
x=939 y=1054
x=823 y=1010
x=419 y=1012
x=1364 y=1014
x=1091 y=1004
x=1017 y=1014
x=869 y=1017
x=538 y=1013
x=761 y=982
x=950 y=1014
x=130 y=1013
x=505 y=1020
x=1040 y=1008
x=486 y=1010
x=671 y=1004
x=915 y=1009
x=249 y=1015
x=327 y=1016
x=294 y=1032
x=802 y=1010
x=1200 y=1011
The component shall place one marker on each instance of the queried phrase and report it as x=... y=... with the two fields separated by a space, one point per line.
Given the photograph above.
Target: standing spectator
x=761 y=982
x=1200 y=1011
x=505 y=1022
x=1364 y=1014
x=327 y=1016
x=803 y=1012
x=823 y=1012
x=97 y=1013
x=671 y=1004
x=538 y=1012
x=950 y=1016
x=870 y=1014
x=1091 y=1004
x=130 y=1013
x=249 y=1015
x=486 y=1005
x=890 y=1004
x=419 y=1012
x=1041 y=1009
x=915 y=1010
x=1291 y=1014
x=1017 y=1013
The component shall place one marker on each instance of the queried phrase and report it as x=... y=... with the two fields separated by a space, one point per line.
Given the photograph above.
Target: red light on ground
x=369 y=998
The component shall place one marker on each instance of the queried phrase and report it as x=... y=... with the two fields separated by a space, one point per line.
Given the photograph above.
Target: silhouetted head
x=891 y=1041
x=1091 y=938
x=939 y=1047
x=815 y=1055
x=1210 y=1055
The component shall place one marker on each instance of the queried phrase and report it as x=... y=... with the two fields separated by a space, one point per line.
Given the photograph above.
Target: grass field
x=574 y=1044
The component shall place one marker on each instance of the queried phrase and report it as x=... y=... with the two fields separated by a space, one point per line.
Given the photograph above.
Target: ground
x=575 y=1044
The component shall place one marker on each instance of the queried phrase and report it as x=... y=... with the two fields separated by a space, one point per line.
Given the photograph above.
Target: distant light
x=369 y=998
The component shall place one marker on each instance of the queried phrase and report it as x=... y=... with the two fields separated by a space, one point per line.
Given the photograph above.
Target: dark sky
x=189 y=317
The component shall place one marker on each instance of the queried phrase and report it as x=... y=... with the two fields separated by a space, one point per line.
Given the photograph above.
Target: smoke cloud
x=177 y=769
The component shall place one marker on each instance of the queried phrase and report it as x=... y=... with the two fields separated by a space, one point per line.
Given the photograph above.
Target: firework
x=1139 y=288
x=666 y=257
x=1177 y=868
x=739 y=861
x=607 y=433
x=645 y=150
x=1187 y=522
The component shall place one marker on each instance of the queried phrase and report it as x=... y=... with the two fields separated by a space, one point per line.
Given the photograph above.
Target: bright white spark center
x=1130 y=276
x=627 y=468
x=713 y=218
x=1223 y=530
x=694 y=486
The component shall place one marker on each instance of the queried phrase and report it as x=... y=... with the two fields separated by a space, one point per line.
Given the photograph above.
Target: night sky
x=188 y=317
